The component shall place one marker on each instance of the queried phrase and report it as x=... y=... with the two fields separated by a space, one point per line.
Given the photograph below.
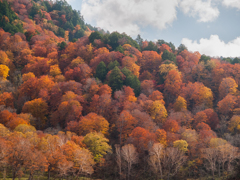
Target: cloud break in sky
x=207 y=26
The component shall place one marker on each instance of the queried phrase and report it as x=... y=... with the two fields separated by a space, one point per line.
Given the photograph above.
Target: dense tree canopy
x=79 y=102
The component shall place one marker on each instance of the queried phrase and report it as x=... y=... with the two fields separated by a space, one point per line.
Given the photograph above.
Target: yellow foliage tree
x=130 y=64
x=76 y=62
x=158 y=111
x=66 y=36
x=3 y=58
x=165 y=68
x=182 y=145
x=227 y=86
x=180 y=104
x=55 y=70
x=216 y=142
x=234 y=124
x=3 y=131
x=4 y=71
x=27 y=76
x=161 y=136
x=24 y=128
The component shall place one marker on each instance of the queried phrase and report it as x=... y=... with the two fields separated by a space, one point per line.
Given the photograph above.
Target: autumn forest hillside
x=76 y=101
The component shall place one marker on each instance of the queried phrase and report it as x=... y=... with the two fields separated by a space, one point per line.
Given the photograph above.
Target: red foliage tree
x=141 y=139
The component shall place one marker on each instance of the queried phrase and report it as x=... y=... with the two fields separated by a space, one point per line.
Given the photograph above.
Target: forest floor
x=45 y=178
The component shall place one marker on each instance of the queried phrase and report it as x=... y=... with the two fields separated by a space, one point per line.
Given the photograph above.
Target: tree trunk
x=14 y=174
x=128 y=171
x=223 y=170
x=169 y=172
x=120 y=138
x=120 y=168
x=219 y=173
x=30 y=177
x=48 y=173
x=4 y=173
x=160 y=168
x=213 y=173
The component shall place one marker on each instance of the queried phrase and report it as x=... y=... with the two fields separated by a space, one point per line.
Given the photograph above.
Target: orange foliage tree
x=125 y=124
x=141 y=138
x=196 y=94
x=172 y=85
x=39 y=109
x=227 y=86
x=171 y=126
x=93 y=122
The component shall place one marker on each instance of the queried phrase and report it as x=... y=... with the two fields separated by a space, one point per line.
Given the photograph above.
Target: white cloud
x=231 y=3
x=203 y=10
x=214 y=46
x=129 y=16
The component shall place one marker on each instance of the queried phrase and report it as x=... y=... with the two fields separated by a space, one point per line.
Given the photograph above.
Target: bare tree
x=64 y=168
x=84 y=161
x=233 y=155
x=173 y=159
x=130 y=155
x=211 y=155
x=118 y=158
x=156 y=155
x=152 y=161
x=222 y=157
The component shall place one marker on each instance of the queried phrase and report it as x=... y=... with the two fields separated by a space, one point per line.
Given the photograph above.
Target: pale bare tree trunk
x=210 y=154
x=173 y=159
x=130 y=155
x=156 y=152
x=226 y=153
x=119 y=159
x=129 y=167
x=4 y=173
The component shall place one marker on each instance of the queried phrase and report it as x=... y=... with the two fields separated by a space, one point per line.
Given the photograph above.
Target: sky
x=211 y=27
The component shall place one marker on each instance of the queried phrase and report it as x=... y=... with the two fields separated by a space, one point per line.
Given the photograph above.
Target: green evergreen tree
x=93 y=36
x=205 y=58
x=101 y=71
x=7 y=25
x=168 y=56
x=126 y=72
x=134 y=83
x=236 y=60
x=68 y=25
x=80 y=33
x=115 y=79
x=151 y=47
x=113 y=64
x=139 y=40
x=113 y=39
x=181 y=48
x=61 y=32
x=120 y=49
x=62 y=45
